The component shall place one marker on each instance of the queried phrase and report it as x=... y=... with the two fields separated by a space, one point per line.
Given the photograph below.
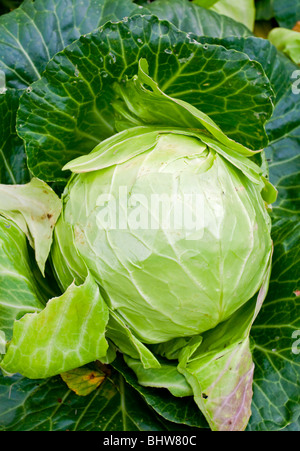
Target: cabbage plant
x=148 y=219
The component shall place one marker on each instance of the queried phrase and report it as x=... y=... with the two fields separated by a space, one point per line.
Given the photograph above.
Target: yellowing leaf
x=83 y=381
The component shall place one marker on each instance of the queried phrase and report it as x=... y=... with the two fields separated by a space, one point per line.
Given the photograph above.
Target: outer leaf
x=35 y=208
x=67 y=334
x=32 y=34
x=277 y=67
x=34 y=405
x=29 y=37
x=276 y=401
x=69 y=111
x=222 y=384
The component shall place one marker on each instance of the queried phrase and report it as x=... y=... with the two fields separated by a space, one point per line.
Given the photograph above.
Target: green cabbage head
x=177 y=236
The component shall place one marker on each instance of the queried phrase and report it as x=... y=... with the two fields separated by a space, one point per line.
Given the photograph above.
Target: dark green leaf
x=13 y=167
x=283 y=154
x=264 y=9
x=68 y=112
x=287 y=13
x=48 y=405
x=32 y=34
x=179 y=410
x=29 y=37
x=276 y=401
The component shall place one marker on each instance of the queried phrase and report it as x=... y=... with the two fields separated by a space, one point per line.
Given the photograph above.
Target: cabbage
x=161 y=245
x=177 y=237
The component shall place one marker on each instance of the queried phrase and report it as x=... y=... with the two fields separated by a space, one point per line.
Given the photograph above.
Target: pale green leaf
x=35 y=208
x=67 y=334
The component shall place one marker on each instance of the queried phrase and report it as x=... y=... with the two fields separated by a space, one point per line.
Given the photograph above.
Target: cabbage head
x=177 y=236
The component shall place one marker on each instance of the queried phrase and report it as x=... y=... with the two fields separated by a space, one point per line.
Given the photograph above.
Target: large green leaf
x=32 y=34
x=35 y=405
x=69 y=110
x=68 y=333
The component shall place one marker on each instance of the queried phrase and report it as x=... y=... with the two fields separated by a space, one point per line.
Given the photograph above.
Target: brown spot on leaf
x=297 y=292
x=297 y=26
